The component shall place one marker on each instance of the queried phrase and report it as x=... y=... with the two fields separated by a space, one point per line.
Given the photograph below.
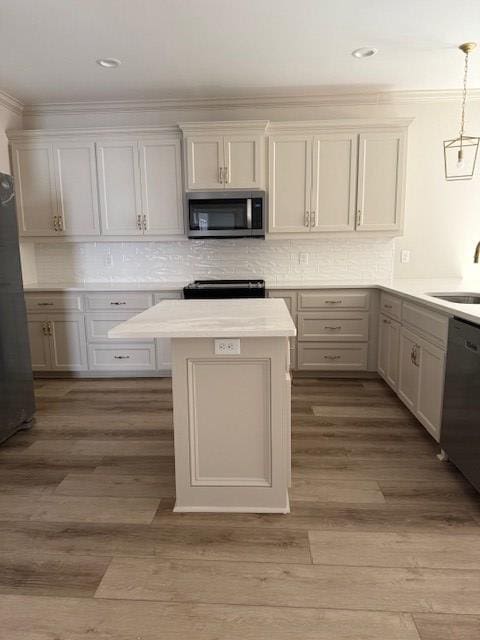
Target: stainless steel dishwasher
x=460 y=434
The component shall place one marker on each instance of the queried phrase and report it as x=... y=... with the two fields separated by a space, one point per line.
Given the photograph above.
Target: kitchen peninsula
x=231 y=400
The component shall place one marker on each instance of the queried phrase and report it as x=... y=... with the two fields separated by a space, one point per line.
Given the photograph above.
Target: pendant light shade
x=460 y=154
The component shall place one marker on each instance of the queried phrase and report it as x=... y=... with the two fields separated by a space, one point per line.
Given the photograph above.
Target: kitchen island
x=231 y=400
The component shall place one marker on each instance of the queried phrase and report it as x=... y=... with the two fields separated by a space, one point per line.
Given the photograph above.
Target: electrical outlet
x=405 y=256
x=227 y=347
x=108 y=260
x=303 y=259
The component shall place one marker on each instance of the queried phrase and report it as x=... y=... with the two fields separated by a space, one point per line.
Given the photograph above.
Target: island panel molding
x=240 y=453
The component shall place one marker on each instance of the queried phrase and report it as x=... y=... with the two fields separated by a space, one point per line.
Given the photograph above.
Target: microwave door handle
x=249 y=213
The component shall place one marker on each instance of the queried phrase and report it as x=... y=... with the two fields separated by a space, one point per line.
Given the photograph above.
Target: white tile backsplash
x=326 y=260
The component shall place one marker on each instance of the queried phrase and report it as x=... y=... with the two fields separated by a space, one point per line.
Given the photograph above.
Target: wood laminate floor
x=383 y=541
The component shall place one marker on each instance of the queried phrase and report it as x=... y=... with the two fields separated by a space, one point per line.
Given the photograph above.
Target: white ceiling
x=212 y=48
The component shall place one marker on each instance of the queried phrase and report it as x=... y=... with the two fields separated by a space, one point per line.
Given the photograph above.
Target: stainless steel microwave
x=226 y=214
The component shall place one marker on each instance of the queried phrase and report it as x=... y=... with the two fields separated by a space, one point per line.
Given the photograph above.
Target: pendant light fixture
x=460 y=154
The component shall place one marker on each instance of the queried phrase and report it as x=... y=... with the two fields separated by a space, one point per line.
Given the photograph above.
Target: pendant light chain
x=464 y=98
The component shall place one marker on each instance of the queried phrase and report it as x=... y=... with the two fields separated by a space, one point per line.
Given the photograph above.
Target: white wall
x=363 y=261
x=442 y=219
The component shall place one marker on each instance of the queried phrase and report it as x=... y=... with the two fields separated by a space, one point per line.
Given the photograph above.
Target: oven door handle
x=249 y=213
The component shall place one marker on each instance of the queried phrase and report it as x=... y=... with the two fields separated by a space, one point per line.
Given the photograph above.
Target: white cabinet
x=430 y=386
x=205 y=162
x=381 y=178
x=389 y=350
x=161 y=178
x=312 y=183
x=119 y=188
x=57 y=342
x=33 y=169
x=244 y=160
x=332 y=205
x=336 y=181
x=408 y=369
x=140 y=187
x=290 y=178
x=39 y=343
x=422 y=374
x=76 y=187
x=56 y=186
x=224 y=161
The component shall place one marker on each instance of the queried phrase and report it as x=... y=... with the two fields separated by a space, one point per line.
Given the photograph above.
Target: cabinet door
x=244 y=162
x=383 y=346
x=393 y=354
x=333 y=182
x=430 y=387
x=205 y=162
x=33 y=169
x=290 y=174
x=39 y=343
x=381 y=177
x=68 y=343
x=408 y=370
x=76 y=179
x=161 y=177
x=119 y=188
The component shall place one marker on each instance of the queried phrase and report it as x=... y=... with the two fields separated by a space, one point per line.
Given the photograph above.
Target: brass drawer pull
x=332 y=328
x=332 y=357
x=117 y=303
x=121 y=357
x=333 y=301
x=44 y=304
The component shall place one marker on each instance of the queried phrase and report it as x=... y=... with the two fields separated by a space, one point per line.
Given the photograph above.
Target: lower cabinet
x=421 y=379
x=122 y=357
x=57 y=342
x=79 y=341
x=388 y=350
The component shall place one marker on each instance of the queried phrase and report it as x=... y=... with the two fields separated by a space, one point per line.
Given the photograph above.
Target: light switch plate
x=227 y=347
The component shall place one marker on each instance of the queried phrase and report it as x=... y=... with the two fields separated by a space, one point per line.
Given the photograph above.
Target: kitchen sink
x=459 y=298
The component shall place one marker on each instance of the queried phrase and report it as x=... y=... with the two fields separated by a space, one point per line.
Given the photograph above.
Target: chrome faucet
x=476 y=255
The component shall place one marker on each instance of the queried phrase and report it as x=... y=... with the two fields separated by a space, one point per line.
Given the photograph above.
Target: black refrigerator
x=17 y=404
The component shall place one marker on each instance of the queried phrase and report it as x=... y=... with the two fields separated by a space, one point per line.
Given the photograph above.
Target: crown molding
x=11 y=103
x=169 y=131
x=224 y=127
x=255 y=102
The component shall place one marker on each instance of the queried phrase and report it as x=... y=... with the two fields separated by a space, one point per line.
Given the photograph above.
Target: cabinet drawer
x=122 y=357
x=335 y=356
x=391 y=306
x=332 y=300
x=99 y=324
x=431 y=325
x=167 y=295
x=331 y=327
x=120 y=301
x=45 y=302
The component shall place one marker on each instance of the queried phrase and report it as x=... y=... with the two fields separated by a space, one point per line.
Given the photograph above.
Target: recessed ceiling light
x=109 y=63
x=364 y=52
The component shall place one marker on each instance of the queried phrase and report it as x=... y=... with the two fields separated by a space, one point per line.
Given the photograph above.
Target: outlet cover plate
x=227 y=347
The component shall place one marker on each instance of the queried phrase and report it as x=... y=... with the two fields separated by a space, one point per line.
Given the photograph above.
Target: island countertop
x=232 y=318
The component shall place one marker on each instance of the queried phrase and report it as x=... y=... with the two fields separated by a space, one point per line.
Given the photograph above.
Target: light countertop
x=254 y=318
x=415 y=289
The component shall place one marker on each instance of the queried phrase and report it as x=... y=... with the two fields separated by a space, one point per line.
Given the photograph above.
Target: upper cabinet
x=117 y=185
x=334 y=181
x=76 y=188
x=224 y=155
x=339 y=176
x=381 y=177
x=140 y=187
